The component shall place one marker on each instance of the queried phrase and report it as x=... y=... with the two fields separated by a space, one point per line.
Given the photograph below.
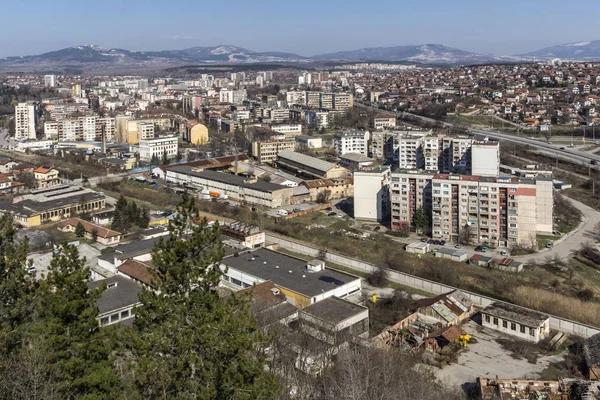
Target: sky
x=306 y=27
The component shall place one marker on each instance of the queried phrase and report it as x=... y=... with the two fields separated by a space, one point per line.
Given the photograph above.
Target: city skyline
x=507 y=29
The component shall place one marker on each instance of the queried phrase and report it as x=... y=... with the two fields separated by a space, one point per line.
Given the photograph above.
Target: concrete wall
x=557 y=323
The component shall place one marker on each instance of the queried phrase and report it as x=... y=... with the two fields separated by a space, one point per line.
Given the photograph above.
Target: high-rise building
x=351 y=141
x=371 y=194
x=502 y=211
x=25 y=120
x=50 y=80
x=485 y=158
x=145 y=130
x=76 y=90
x=232 y=96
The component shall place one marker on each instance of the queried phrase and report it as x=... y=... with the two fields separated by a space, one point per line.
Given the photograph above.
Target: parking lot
x=488 y=358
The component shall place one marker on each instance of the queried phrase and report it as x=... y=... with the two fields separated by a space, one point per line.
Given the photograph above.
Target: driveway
x=569 y=244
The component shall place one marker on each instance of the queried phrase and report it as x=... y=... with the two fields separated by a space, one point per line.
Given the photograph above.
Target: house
x=46 y=176
x=143 y=273
x=103 y=235
x=517 y=321
x=103 y=218
x=442 y=337
x=269 y=305
x=591 y=352
x=117 y=302
x=383 y=121
x=449 y=309
x=329 y=189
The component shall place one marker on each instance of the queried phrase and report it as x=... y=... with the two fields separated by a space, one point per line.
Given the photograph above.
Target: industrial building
x=304 y=283
x=516 y=321
x=310 y=167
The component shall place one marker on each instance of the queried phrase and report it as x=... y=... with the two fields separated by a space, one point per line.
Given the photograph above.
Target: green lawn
x=543 y=240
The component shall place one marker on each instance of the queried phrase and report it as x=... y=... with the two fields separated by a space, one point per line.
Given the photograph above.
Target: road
x=568 y=245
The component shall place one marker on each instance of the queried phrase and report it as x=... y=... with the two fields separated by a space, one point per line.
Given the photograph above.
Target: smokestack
x=103 y=127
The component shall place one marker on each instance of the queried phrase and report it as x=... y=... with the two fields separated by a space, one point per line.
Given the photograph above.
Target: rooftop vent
x=290 y=271
x=112 y=285
x=275 y=291
x=277 y=267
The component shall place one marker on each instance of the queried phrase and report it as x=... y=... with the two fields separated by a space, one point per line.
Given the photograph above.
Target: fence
x=557 y=323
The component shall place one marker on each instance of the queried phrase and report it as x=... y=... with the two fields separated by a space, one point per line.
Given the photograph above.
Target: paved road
x=567 y=246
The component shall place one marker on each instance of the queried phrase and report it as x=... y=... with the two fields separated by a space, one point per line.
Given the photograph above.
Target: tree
x=144 y=218
x=187 y=341
x=323 y=197
x=421 y=220
x=95 y=234
x=165 y=159
x=154 y=160
x=121 y=221
x=464 y=236
x=27 y=179
x=79 y=230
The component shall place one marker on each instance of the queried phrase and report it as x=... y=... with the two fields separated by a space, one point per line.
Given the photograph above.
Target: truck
x=214 y=194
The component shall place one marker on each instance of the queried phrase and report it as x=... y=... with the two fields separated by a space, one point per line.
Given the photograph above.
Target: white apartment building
x=25 y=120
x=342 y=101
x=278 y=114
x=351 y=141
x=88 y=128
x=232 y=96
x=485 y=158
x=145 y=130
x=288 y=129
x=456 y=154
x=371 y=194
x=71 y=130
x=50 y=80
x=51 y=130
x=296 y=98
x=410 y=153
x=156 y=147
x=110 y=128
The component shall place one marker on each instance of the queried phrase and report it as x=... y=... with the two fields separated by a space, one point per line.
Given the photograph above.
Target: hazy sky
x=306 y=27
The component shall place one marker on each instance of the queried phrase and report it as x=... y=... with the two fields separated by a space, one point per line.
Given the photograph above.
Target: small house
x=517 y=321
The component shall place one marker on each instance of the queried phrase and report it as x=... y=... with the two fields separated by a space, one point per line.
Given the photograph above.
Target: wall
x=425 y=285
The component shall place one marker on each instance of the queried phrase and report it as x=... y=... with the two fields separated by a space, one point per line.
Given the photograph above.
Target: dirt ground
x=488 y=358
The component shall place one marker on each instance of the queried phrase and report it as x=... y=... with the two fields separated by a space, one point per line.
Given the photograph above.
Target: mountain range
x=94 y=58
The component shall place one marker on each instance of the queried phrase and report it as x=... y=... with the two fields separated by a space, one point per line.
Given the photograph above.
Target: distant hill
x=569 y=51
x=423 y=53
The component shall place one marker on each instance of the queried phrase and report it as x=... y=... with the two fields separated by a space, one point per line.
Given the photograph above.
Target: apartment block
x=88 y=128
x=145 y=130
x=25 y=120
x=485 y=158
x=265 y=151
x=351 y=141
x=371 y=194
x=410 y=152
x=502 y=211
x=232 y=96
x=157 y=147
x=342 y=101
x=383 y=121
x=409 y=190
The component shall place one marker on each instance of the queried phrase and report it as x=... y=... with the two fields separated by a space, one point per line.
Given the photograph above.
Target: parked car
x=443 y=242
x=332 y=214
x=298 y=210
x=482 y=249
x=283 y=213
x=457 y=246
x=549 y=245
x=329 y=209
x=340 y=216
x=424 y=240
x=562 y=148
x=594 y=162
x=504 y=253
x=430 y=241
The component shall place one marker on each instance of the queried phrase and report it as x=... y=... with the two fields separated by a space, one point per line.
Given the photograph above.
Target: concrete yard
x=41 y=261
x=488 y=358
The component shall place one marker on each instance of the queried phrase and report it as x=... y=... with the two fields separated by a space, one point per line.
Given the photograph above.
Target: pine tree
x=120 y=217
x=79 y=230
x=188 y=342
x=16 y=287
x=143 y=219
x=165 y=159
x=421 y=220
x=132 y=213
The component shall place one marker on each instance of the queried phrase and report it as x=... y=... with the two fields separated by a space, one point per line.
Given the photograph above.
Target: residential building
x=512 y=320
x=92 y=231
x=456 y=153
x=76 y=90
x=309 y=142
x=329 y=189
x=158 y=147
x=117 y=302
x=233 y=96
x=70 y=130
x=106 y=125
x=342 y=101
x=50 y=81
x=308 y=166
x=288 y=129
x=410 y=152
x=355 y=161
x=88 y=128
x=303 y=282
x=46 y=176
x=485 y=158
x=51 y=129
x=383 y=121
x=145 y=131
x=278 y=114
x=410 y=191
x=371 y=194
x=265 y=151
x=351 y=141
x=25 y=120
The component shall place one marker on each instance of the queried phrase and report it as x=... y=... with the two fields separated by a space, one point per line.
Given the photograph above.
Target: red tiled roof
x=139 y=271
x=89 y=227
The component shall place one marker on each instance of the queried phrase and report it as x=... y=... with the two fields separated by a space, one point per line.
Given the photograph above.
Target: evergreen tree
x=143 y=218
x=187 y=341
x=121 y=218
x=79 y=230
x=165 y=159
x=421 y=220
x=132 y=213
x=16 y=287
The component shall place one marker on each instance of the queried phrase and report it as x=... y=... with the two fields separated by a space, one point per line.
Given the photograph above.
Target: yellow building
x=198 y=134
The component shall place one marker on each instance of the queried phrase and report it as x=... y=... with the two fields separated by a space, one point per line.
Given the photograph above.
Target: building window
x=124 y=314
x=487 y=318
x=532 y=331
x=104 y=321
x=236 y=282
x=504 y=324
x=114 y=318
x=495 y=321
x=522 y=329
x=513 y=326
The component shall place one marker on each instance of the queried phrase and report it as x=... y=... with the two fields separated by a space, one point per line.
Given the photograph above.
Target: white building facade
x=157 y=147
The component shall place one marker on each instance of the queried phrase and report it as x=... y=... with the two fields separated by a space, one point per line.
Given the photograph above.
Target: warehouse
x=309 y=167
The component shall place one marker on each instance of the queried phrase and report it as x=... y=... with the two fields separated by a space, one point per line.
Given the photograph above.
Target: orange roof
x=139 y=271
x=89 y=227
x=43 y=170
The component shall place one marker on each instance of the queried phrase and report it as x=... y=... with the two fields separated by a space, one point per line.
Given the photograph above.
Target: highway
x=549 y=149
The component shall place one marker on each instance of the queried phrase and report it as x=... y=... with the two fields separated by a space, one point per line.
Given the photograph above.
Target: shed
x=417 y=248
x=450 y=254
x=480 y=260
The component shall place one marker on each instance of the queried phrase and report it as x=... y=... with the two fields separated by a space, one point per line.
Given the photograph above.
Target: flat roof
x=515 y=313
x=31 y=207
x=356 y=157
x=229 y=179
x=333 y=310
x=312 y=162
x=265 y=263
